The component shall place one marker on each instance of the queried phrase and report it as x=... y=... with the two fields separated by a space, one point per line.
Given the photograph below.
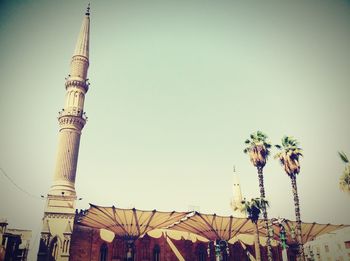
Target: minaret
x=236 y=204
x=59 y=212
x=72 y=118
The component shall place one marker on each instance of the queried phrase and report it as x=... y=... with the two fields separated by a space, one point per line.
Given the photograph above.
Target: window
x=347 y=244
x=53 y=249
x=201 y=253
x=130 y=253
x=156 y=253
x=145 y=253
x=326 y=248
x=118 y=249
x=318 y=251
x=103 y=252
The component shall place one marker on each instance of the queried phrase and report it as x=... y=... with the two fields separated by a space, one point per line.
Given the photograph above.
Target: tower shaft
x=72 y=117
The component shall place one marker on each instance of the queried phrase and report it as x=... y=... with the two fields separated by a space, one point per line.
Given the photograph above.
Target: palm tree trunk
x=257 y=243
x=262 y=195
x=297 y=217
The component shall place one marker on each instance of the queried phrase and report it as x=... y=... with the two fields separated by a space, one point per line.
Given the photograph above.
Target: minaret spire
x=82 y=46
x=88 y=10
x=60 y=205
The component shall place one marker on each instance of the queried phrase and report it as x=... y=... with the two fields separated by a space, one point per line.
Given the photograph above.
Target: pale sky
x=176 y=88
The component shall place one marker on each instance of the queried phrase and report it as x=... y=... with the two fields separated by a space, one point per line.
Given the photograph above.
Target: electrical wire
x=17 y=186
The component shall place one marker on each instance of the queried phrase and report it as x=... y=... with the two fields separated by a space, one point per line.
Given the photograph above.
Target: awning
x=309 y=230
x=134 y=223
x=131 y=223
x=214 y=226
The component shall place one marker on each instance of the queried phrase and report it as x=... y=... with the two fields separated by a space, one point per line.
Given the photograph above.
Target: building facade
x=330 y=247
x=88 y=245
x=14 y=243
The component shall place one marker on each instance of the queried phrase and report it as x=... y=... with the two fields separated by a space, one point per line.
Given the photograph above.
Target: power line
x=17 y=186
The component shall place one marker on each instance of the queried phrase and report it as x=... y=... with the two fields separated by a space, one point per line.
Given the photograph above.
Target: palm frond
x=344 y=181
x=254 y=207
x=258 y=148
x=289 y=155
x=343 y=157
x=285 y=141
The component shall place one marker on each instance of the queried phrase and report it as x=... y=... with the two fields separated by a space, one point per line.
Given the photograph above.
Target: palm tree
x=289 y=158
x=258 y=149
x=344 y=181
x=253 y=208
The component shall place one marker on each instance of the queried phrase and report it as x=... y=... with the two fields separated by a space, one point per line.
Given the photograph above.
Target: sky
x=176 y=89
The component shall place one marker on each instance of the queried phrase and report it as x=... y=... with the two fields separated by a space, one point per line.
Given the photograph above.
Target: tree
x=288 y=156
x=344 y=181
x=258 y=149
x=254 y=208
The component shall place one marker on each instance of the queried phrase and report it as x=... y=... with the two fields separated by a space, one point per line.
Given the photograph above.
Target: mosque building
x=115 y=234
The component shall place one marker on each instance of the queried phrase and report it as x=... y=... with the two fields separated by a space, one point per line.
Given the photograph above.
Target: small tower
x=236 y=202
x=59 y=212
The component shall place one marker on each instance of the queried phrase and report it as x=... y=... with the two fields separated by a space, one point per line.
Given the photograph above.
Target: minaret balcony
x=77 y=82
x=72 y=111
x=72 y=118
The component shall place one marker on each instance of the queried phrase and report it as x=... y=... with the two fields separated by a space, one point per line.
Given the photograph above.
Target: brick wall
x=86 y=245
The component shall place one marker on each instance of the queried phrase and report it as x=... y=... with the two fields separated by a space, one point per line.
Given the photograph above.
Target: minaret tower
x=59 y=212
x=236 y=203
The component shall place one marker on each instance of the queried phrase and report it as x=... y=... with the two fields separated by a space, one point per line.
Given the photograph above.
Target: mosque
x=115 y=234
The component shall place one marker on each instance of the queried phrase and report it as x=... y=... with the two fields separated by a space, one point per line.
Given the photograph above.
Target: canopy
x=134 y=223
x=213 y=226
x=131 y=223
x=309 y=230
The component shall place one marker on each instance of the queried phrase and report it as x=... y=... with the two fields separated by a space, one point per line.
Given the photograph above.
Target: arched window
x=54 y=249
x=103 y=252
x=156 y=253
x=201 y=253
x=145 y=248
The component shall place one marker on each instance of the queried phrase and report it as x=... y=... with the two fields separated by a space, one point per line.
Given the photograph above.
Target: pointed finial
x=88 y=10
x=234 y=168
